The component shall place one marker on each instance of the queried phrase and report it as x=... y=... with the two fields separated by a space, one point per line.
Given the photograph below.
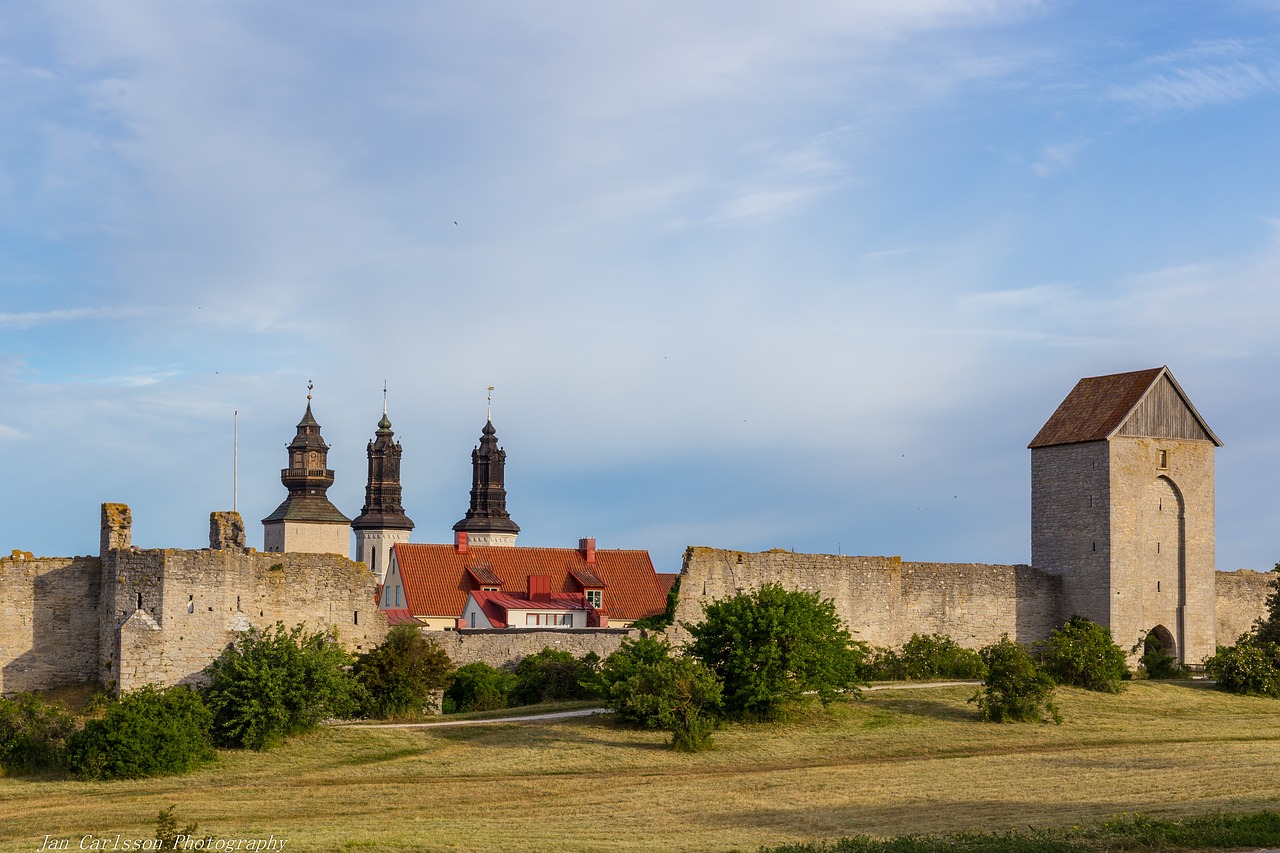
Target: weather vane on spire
x=488 y=410
x=309 y=387
x=384 y=397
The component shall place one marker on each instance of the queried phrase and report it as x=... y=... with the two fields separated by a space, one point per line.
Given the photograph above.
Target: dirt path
x=586 y=712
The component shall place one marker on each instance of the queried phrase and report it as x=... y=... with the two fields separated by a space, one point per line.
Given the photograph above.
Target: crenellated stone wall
x=883 y=599
x=168 y=613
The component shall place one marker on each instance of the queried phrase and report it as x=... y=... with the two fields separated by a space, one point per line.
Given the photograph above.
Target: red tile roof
x=497 y=604
x=1095 y=408
x=400 y=617
x=436 y=577
x=587 y=579
x=667 y=581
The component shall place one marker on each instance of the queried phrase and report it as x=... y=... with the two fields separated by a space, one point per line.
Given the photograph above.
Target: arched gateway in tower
x=1122 y=506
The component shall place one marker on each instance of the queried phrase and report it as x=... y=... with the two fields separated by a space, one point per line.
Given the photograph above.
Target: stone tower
x=307 y=521
x=1122 y=506
x=487 y=521
x=382 y=522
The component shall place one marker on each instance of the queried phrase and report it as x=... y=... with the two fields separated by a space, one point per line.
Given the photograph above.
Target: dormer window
x=595 y=597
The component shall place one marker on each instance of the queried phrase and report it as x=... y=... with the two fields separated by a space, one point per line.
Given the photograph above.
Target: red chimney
x=539 y=588
x=588 y=549
x=461 y=543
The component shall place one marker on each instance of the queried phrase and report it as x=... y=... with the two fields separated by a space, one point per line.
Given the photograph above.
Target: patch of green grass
x=898 y=762
x=1127 y=832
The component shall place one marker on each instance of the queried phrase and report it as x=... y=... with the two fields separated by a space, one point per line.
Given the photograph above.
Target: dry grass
x=900 y=762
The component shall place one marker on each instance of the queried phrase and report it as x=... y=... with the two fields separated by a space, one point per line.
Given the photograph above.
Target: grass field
x=911 y=761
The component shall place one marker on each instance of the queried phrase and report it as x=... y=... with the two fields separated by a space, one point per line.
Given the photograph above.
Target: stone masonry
x=883 y=599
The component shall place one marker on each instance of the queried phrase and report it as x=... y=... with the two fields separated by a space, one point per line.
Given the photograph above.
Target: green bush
x=1251 y=667
x=679 y=695
x=401 y=674
x=923 y=657
x=479 y=687
x=275 y=683
x=1082 y=654
x=148 y=732
x=1015 y=689
x=770 y=646
x=621 y=666
x=1267 y=629
x=554 y=676
x=33 y=734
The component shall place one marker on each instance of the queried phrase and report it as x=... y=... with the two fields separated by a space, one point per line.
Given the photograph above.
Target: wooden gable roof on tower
x=1147 y=403
x=438 y=578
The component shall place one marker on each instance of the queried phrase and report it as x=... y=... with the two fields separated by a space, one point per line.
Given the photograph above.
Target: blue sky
x=749 y=275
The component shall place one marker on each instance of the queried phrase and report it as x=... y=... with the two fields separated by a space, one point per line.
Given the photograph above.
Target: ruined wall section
x=173 y=611
x=883 y=599
x=48 y=622
x=1241 y=600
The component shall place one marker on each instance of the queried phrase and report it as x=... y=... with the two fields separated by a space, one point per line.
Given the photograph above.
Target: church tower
x=382 y=522
x=487 y=521
x=307 y=521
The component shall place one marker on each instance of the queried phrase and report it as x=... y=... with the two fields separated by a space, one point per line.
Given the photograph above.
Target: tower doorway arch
x=1159 y=640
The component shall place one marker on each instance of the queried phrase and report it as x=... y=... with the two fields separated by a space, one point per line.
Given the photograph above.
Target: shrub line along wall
x=71 y=620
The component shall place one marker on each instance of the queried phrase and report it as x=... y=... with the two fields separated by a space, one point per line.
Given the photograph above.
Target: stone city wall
x=506 y=647
x=48 y=622
x=1241 y=600
x=168 y=613
x=883 y=599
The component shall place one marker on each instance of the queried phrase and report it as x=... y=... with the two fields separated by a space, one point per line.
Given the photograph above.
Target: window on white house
x=595 y=597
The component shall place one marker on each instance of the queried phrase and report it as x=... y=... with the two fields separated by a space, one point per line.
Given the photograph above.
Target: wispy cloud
x=8 y=433
x=1191 y=88
x=1057 y=158
x=31 y=319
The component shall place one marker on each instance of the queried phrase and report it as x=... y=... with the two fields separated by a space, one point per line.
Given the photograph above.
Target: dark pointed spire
x=488 y=512
x=382 y=494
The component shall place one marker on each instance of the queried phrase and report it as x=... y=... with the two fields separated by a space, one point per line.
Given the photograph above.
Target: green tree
x=552 y=675
x=770 y=646
x=1267 y=628
x=401 y=674
x=1015 y=689
x=622 y=665
x=1250 y=667
x=1082 y=654
x=271 y=684
x=148 y=732
x=479 y=687
x=678 y=694
x=33 y=734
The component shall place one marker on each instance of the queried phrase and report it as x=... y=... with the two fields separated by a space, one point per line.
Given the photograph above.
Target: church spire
x=382 y=521
x=487 y=522
x=306 y=520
